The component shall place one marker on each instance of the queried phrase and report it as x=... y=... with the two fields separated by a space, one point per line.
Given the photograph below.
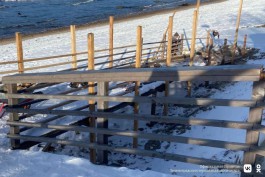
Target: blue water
x=33 y=16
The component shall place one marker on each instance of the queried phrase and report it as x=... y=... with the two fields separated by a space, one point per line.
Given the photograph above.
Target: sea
x=34 y=16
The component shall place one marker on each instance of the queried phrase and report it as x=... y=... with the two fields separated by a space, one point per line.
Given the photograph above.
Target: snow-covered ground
x=219 y=16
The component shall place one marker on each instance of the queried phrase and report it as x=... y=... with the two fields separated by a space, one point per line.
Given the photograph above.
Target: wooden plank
x=168 y=100
x=14 y=130
x=167 y=156
x=73 y=46
x=144 y=78
x=147 y=117
x=149 y=136
x=237 y=30
x=19 y=53
x=111 y=36
x=236 y=73
x=102 y=156
x=91 y=91
x=255 y=116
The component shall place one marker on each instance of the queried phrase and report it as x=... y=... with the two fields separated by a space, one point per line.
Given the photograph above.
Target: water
x=33 y=16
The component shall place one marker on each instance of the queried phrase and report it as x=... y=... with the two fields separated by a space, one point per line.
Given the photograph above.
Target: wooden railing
x=100 y=130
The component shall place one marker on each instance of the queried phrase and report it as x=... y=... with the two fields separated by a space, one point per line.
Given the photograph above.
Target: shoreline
x=106 y=22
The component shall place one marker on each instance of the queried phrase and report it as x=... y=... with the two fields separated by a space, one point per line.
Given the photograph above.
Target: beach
x=103 y=22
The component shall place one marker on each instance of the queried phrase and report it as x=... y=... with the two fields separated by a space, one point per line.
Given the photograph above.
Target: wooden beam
x=139 y=44
x=149 y=136
x=91 y=91
x=13 y=117
x=111 y=38
x=73 y=47
x=237 y=30
x=146 y=117
x=193 y=40
x=19 y=53
x=169 y=40
x=163 y=100
x=167 y=156
x=255 y=117
x=216 y=73
x=102 y=156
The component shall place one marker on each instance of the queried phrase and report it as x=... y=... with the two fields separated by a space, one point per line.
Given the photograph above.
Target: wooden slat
x=167 y=156
x=8 y=62
x=209 y=73
x=149 y=136
x=169 y=100
x=144 y=117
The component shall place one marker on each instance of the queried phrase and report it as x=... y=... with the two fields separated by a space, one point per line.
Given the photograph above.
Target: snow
x=28 y=163
x=220 y=16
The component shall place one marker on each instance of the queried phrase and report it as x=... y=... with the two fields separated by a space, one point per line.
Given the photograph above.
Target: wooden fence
x=100 y=131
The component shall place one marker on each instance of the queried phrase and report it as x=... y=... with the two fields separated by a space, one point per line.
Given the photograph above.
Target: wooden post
x=193 y=40
x=244 y=48
x=139 y=42
x=197 y=16
x=237 y=29
x=207 y=39
x=169 y=39
x=224 y=52
x=163 y=47
x=73 y=47
x=91 y=91
x=209 y=51
x=255 y=116
x=14 y=130
x=182 y=44
x=169 y=56
x=111 y=45
x=19 y=53
x=192 y=51
x=102 y=156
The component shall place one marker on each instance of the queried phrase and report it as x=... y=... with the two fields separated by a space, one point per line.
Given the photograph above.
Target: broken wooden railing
x=253 y=73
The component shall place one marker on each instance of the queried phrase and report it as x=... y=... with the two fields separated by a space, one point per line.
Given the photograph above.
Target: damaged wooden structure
x=99 y=130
